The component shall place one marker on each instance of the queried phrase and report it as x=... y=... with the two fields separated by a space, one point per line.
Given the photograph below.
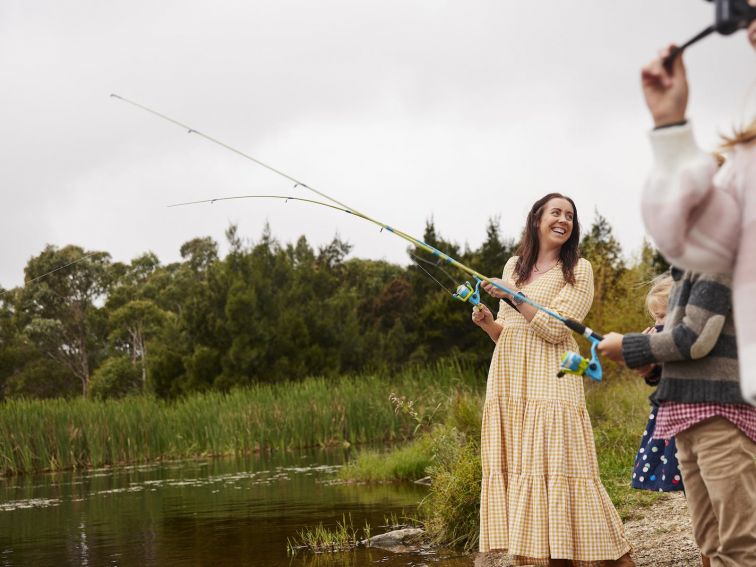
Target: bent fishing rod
x=572 y=324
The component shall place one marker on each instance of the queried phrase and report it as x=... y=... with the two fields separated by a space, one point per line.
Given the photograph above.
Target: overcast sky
x=403 y=109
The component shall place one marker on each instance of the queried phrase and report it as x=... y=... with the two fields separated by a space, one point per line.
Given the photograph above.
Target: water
x=214 y=512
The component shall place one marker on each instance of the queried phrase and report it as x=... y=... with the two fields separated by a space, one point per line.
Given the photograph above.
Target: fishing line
x=431 y=276
x=419 y=259
x=3 y=292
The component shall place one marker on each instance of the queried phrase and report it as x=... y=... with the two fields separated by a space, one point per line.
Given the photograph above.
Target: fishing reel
x=466 y=292
x=573 y=363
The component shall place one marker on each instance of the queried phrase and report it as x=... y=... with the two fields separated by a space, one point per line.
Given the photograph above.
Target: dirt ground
x=661 y=536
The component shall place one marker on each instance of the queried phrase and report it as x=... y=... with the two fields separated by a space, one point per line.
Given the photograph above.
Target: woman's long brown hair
x=530 y=243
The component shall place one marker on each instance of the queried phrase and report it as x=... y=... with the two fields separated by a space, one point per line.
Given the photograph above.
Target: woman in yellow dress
x=542 y=500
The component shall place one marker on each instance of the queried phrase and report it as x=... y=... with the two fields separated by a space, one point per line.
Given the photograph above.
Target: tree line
x=266 y=312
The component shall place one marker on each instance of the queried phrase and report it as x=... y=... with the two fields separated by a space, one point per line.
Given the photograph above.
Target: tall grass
x=61 y=434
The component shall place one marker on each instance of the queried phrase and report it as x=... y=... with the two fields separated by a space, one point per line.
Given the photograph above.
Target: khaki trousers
x=718 y=465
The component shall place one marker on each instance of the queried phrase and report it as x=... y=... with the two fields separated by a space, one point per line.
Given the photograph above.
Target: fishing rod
x=572 y=324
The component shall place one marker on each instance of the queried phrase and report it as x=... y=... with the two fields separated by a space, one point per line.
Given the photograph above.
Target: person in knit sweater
x=701 y=406
x=702 y=217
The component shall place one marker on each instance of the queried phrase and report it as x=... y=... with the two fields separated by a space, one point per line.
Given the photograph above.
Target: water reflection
x=216 y=512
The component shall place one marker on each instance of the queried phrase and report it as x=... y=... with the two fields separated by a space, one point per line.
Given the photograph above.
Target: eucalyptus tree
x=132 y=325
x=62 y=313
x=134 y=315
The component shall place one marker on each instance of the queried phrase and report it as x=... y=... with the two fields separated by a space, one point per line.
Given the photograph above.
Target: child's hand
x=666 y=91
x=611 y=347
x=645 y=370
x=649 y=331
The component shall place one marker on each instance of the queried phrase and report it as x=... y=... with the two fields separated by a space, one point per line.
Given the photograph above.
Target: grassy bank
x=450 y=453
x=61 y=434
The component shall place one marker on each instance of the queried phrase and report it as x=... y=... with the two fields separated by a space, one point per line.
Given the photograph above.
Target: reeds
x=38 y=435
x=320 y=539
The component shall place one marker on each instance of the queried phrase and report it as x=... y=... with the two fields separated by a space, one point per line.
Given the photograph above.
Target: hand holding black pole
x=729 y=17
x=670 y=59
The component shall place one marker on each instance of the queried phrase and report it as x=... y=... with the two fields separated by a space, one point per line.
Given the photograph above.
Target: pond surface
x=214 y=512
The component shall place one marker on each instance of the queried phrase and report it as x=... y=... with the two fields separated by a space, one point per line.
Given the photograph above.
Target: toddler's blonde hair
x=658 y=295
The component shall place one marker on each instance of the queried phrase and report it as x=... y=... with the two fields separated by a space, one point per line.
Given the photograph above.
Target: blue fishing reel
x=466 y=292
x=573 y=363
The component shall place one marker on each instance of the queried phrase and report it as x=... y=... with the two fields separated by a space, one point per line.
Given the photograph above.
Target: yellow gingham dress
x=541 y=493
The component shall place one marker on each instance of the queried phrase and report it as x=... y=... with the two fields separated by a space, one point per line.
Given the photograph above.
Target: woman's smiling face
x=555 y=226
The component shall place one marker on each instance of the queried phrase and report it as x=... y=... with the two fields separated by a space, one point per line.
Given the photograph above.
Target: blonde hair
x=745 y=135
x=658 y=295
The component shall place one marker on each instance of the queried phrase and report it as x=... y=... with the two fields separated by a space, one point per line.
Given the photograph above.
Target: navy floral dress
x=655 y=465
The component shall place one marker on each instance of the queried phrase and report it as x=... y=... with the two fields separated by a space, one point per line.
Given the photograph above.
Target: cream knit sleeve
x=691 y=211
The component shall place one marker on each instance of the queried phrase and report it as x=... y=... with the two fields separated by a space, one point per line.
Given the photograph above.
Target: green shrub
x=115 y=378
x=409 y=462
x=41 y=379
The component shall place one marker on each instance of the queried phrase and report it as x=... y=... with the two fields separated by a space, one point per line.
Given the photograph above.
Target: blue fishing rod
x=572 y=363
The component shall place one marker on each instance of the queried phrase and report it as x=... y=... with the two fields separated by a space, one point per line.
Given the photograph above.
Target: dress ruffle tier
x=547 y=501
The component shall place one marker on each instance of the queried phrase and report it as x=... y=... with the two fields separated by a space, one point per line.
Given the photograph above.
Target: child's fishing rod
x=573 y=325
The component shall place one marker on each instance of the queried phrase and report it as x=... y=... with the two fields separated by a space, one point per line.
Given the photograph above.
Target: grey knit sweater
x=697 y=347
